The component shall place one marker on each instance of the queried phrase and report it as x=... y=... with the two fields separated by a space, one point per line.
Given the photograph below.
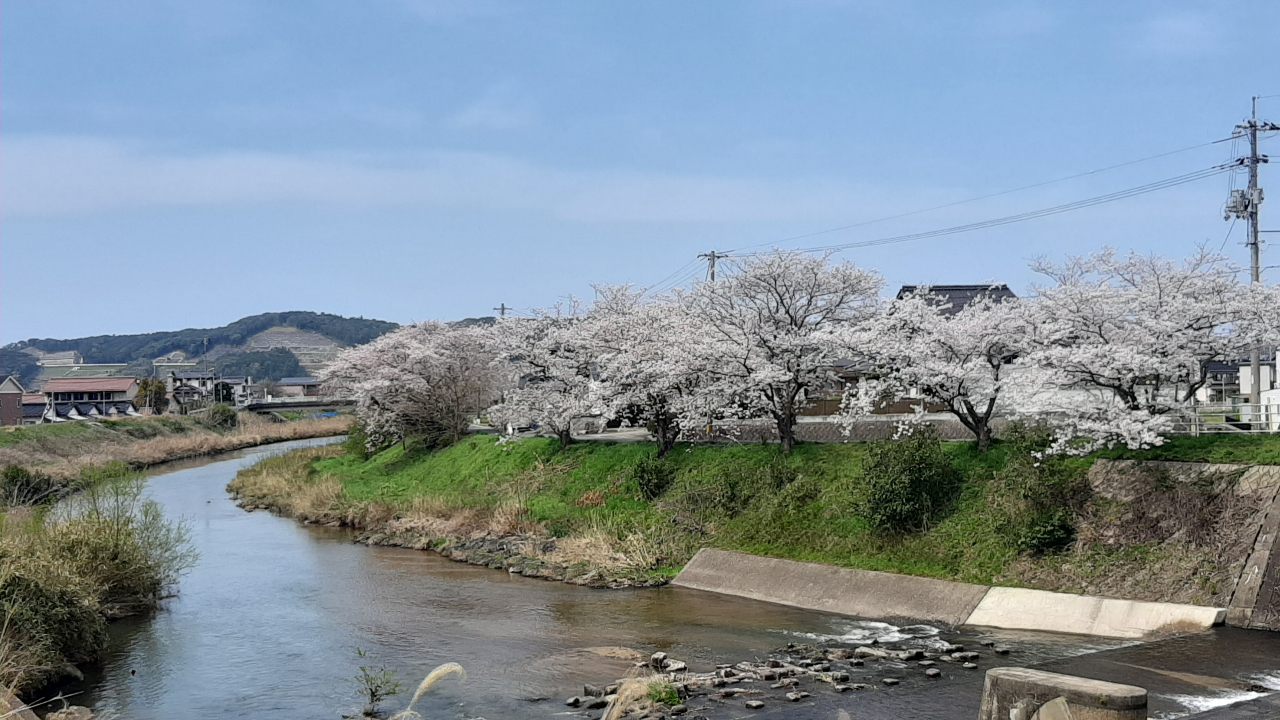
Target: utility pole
x=711 y=258
x=502 y=309
x=1245 y=204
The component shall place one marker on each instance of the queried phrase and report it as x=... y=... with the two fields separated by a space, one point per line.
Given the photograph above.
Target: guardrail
x=1228 y=419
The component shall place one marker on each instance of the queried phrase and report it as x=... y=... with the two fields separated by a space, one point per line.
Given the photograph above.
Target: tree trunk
x=565 y=436
x=982 y=429
x=665 y=432
x=787 y=433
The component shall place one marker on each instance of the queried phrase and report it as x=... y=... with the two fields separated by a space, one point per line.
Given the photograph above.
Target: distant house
x=299 y=387
x=960 y=295
x=11 y=393
x=90 y=398
x=33 y=409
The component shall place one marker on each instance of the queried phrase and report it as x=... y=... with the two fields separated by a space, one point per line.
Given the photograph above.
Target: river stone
x=890 y=681
x=856 y=662
x=987 y=643
x=574 y=701
x=840 y=676
x=768 y=675
x=675 y=666
x=754 y=704
x=965 y=656
x=1001 y=650
x=926 y=663
x=593 y=691
x=969 y=666
x=932 y=672
x=796 y=696
x=841 y=688
x=595 y=703
x=658 y=660
x=773 y=663
x=679 y=709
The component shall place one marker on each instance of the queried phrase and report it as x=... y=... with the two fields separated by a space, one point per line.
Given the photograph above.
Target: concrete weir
x=831 y=589
x=864 y=593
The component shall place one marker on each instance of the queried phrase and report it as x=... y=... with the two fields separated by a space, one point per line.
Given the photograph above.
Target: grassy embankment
x=64 y=451
x=612 y=506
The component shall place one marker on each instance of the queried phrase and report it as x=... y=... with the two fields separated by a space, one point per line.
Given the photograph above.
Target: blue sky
x=183 y=164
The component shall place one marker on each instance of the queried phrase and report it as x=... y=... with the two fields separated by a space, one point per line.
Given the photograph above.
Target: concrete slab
x=1023 y=609
x=861 y=593
x=1015 y=692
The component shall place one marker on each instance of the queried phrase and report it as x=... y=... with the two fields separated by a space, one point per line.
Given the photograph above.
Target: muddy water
x=267 y=625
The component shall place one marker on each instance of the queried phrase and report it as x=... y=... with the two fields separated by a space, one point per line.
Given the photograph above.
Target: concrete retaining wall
x=1015 y=692
x=868 y=594
x=1023 y=609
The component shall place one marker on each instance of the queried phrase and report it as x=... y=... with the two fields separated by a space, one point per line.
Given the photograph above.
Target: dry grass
x=65 y=457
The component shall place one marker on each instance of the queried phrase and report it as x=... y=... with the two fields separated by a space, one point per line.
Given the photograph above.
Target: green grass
x=1239 y=449
x=809 y=519
x=132 y=427
x=748 y=498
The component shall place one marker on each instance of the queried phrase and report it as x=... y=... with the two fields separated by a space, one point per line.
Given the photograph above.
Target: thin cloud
x=60 y=176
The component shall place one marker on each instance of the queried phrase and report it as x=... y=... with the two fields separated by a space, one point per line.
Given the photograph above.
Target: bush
x=221 y=417
x=357 y=442
x=654 y=477
x=102 y=554
x=19 y=486
x=1037 y=495
x=906 y=483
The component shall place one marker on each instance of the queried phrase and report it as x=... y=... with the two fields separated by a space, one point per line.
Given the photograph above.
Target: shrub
x=357 y=442
x=654 y=477
x=19 y=486
x=1037 y=495
x=101 y=554
x=906 y=483
x=374 y=685
x=221 y=417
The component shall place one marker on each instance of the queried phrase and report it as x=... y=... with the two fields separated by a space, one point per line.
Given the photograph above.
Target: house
x=1267 y=366
x=11 y=393
x=960 y=295
x=299 y=387
x=826 y=401
x=90 y=398
x=33 y=408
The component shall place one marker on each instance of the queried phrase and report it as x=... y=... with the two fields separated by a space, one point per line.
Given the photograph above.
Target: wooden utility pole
x=502 y=309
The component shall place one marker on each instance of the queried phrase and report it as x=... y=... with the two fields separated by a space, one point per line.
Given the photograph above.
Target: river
x=268 y=622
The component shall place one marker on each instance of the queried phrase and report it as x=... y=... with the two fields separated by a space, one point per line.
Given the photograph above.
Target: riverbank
x=64 y=452
x=613 y=515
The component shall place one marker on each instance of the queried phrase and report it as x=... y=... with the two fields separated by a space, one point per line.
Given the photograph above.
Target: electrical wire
x=985 y=197
x=1031 y=215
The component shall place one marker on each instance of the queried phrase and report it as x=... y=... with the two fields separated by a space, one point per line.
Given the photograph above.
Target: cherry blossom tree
x=1121 y=342
x=770 y=320
x=651 y=360
x=958 y=357
x=425 y=381
x=549 y=362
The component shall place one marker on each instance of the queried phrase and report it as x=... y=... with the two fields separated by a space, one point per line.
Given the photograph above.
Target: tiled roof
x=960 y=295
x=90 y=385
x=34 y=399
x=299 y=381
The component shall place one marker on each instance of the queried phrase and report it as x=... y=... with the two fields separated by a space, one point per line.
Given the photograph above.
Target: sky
x=172 y=164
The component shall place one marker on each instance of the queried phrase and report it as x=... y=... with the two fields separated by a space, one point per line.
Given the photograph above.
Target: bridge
x=315 y=404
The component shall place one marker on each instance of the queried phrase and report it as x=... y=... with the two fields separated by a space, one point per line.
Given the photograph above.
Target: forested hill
x=131 y=348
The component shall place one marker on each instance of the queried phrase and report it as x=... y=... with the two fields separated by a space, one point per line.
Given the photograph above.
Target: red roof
x=33 y=399
x=90 y=385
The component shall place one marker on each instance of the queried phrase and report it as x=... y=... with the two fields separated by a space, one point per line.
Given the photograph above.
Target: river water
x=268 y=622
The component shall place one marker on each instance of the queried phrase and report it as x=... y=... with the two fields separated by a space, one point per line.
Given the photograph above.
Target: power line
x=1034 y=214
x=985 y=197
